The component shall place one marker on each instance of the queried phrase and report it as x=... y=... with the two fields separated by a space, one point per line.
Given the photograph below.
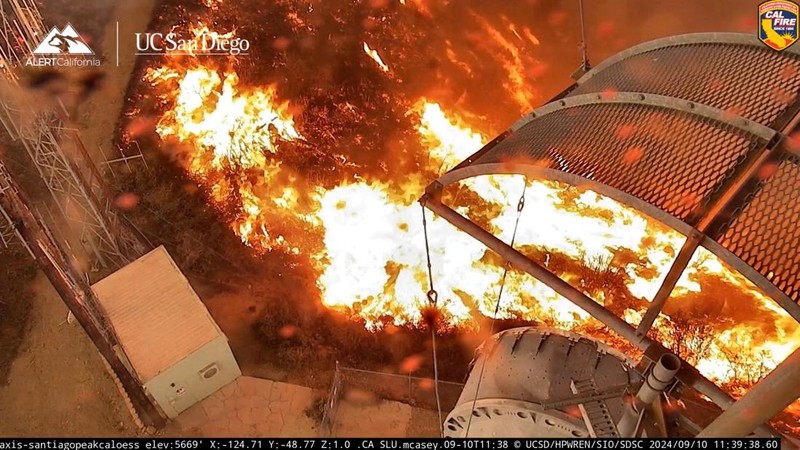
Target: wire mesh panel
x=751 y=81
x=680 y=124
x=329 y=410
x=399 y=403
x=765 y=232
x=671 y=159
x=415 y=391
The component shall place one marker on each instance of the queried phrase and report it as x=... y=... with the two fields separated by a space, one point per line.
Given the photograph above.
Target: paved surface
x=249 y=407
x=362 y=414
x=382 y=420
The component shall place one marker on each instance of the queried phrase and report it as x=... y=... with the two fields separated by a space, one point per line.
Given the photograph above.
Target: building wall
x=181 y=386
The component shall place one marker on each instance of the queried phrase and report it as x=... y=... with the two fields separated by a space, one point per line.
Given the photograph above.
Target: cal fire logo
x=64 y=42
x=777 y=23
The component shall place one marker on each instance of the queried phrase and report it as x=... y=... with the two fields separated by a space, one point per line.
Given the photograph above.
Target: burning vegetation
x=317 y=145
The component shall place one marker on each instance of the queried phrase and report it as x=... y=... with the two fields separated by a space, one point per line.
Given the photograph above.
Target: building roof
x=157 y=316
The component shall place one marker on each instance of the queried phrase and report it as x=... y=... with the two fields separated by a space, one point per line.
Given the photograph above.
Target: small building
x=166 y=334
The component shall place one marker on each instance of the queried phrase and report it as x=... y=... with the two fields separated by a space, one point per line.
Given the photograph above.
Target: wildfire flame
x=375 y=57
x=365 y=241
x=213 y=4
x=513 y=62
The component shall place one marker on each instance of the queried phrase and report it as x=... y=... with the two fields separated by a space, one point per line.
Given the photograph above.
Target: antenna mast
x=585 y=65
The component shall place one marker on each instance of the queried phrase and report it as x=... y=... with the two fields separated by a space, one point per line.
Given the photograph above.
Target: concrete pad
x=281 y=392
x=193 y=417
x=229 y=390
x=251 y=407
x=375 y=420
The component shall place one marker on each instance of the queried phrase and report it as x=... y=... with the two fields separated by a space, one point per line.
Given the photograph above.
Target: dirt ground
x=99 y=114
x=58 y=386
x=237 y=315
x=15 y=299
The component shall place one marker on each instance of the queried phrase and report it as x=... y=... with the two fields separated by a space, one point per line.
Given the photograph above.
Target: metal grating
x=682 y=124
x=751 y=81
x=671 y=159
x=765 y=232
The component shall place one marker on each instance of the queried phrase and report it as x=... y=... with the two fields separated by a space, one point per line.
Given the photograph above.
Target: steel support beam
x=521 y=261
x=9 y=235
x=78 y=298
x=770 y=396
x=655 y=100
x=653 y=350
x=668 y=285
x=62 y=162
x=741 y=190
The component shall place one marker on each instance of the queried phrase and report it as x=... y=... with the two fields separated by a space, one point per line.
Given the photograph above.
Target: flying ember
x=375 y=57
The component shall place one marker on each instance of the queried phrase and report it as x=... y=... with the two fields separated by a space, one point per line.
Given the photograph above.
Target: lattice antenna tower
x=9 y=235
x=56 y=150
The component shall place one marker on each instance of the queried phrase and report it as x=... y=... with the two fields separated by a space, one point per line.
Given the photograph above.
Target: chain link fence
x=414 y=391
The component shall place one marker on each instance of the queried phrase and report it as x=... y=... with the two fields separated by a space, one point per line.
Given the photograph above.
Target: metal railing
x=329 y=413
x=415 y=391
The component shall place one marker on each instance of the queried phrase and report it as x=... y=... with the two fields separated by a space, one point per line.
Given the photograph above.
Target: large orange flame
x=372 y=260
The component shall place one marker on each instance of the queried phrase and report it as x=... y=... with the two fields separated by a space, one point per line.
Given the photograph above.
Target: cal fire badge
x=777 y=23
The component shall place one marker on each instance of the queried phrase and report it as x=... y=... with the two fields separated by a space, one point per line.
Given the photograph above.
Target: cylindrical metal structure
x=539 y=382
x=659 y=378
x=662 y=375
x=770 y=396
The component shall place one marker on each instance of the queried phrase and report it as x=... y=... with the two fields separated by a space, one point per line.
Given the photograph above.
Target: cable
x=432 y=294
x=436 y=382
x=520 y=206
x=433 y=297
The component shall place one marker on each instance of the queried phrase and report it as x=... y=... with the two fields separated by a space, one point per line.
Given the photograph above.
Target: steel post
x=519 y=260
x=770 y=396
x=674 y=274
x=660 y=377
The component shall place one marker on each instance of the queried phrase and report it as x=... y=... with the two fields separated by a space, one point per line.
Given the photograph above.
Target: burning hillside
x=318 y=145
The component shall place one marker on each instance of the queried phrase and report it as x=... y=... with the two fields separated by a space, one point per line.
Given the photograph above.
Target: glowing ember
x=375 y=57
x=514 y=62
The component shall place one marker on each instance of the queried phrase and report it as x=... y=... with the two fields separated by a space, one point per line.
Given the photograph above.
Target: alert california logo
x=777 y=24
x=62 y=48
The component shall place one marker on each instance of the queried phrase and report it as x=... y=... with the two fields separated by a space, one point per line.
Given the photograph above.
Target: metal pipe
x=519 y=260
x=660 y=377
x=770 y=396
